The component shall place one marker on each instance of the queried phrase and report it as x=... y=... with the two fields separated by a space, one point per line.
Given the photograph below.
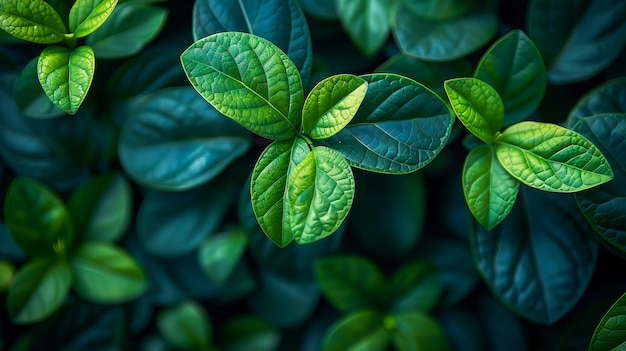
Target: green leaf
x=37 y=218
x=220 y=254
x=104 y=273
x=130 y=27
x=39 y=287
x=444 y=39
x=102 y=208
x=259 y=17
x=7 y=272
x=350 y=283
x=418 y=331
x=358 y=331
x=604 y=205
x=514 y=68
x=88 y=15
x=321 y=9
x=477 y=105
x=185 y=326
x=490 y=191
x=400 y=127
x=610 y=333
x=331 y=104
x=248 y=79
x=577 y=39
x=32 y=20
x=552 y=158
x=609 y=97
x=415 y=287
x=320 y=190
x=30 y=97
x=248 y=332
x=440 y=9
x=65 y=75
x=366 y=22
x=174 y=141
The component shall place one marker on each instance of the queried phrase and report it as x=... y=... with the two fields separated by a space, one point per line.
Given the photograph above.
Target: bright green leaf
x=32 y=20
x=514 y=68
x=415 y=287
x=477 y=105
x=30 y=97
x=65 y=75
x=418 y=331
x=320 y=190
x=248 y=332
x=88 y=15
x=552 y=158
x=6 y=274
x=490 y=191
x=366 y=22
x=38 y=289
x=185 y=326
x=37 y=219
x=219 y=254
x=331 y=104
x=248 y=79
x=104 y=273
x=610 y=334
x=609 y=97
x=359 y=331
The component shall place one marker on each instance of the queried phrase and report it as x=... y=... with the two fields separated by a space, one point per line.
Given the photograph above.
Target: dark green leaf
x=88 y=15
x=30 y=97
x=610 y=334
x=32 y=20
x=440 y=9
x=6 y=274
x=366 y=22
x=322 y=9
x=418 y=331
x=361 y=330
x=609 y=97
x=415 y=287
x=248 y=332
x=175 y=141
x=219 y=254
x=185 y=326
x=8 y=248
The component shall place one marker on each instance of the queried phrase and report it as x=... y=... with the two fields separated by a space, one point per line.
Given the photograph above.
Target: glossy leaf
x=37 y=218
x=350 y=283
x=88 y=15
x=440 y=9
x=415 y=287
x=220 y=254
x=174 y=141
x=320 y=192
x=604 y=205
x=361 y=330
x=248 y=332
x=552 y=158
x=65 y=75
x=514 y=68
x=248 y=79
x=262 y=18
x=418 y=331
x=609 y=97
x=490 y=191
x=38 y=289
x=104 y=273
x=185 y=326
x=399 y=128
x=577 y=39
x=30 y=97
x=6 y=274
x=32 y=20
x=610 y=334
x=366 y=22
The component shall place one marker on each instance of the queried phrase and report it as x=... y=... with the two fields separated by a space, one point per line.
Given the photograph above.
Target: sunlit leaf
x=366 y=22
x=88 y=15
x=32 y=20
x=30 y=97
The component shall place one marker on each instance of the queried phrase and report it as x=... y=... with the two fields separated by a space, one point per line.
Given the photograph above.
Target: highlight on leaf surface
x=32 y=20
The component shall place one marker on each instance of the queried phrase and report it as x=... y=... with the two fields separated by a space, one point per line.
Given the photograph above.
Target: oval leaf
x=362 y=330
x=88 y=15
x=320 y=191
x=552 y=158
x=32 y=20
x=248 y=79
x=174 y=141
x=331 y=104
x=400 y=127
x=610 y=333
x=220 y=254
x=418 y=331
x=609 y=97
x=415 y=287
x=65 y=75
x=366 y=22
x=185 y=326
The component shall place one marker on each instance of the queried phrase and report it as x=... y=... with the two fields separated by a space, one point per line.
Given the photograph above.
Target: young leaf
x=415 y=287
x=320 y=190
x=477 y=105
x=88 y=15
x=610 y=334
x=32 y=20
x=514 y=68
x=248 y=332
x=609 y=97
x=248 y=79
x=38 y=289
x=220 y=254
x=331 y=104
x=366 y=22
x=65 y=75
x=361 y=330
x=104 y=273
x=37 y=218
x=185 y=326
x=552 y=158
x=490 y=191
x=418 y=331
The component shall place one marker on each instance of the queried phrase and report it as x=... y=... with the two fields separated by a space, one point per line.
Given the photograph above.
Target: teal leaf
x=37 y=218
x=610 y=334
x=539 y=261
x=321 y=9
x=129 y=28
x=331 y=104
x=248 y=332
x=490 y=191
x=477 y=105
x=38 y=289
x=415 y=287
x=32 y=20
x=320 y=190
x=219 y=254
x=552 y=158
x=400 y=127
x=259 y=17
x=106 y=274
x=30 y=97
x=248 y=79
x=65 y=75
x=418 y=331
x=609 y=97
x=174 y=141
x=350 y=283
x=88 y=15
x=577 y=39
x=366 y=22
x=185 y=326
x=440 y=9
x=604 y=205
x=361 y=330
x=514 y=68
